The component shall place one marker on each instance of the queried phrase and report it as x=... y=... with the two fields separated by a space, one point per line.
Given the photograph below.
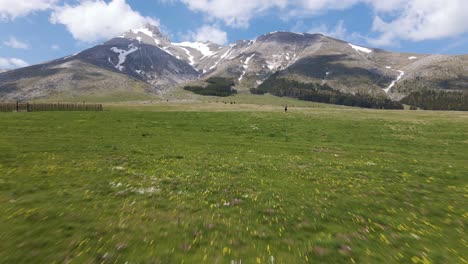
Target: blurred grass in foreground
x=315 y=185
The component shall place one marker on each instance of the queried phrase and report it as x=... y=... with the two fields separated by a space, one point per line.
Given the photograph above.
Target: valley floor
x=229 y=183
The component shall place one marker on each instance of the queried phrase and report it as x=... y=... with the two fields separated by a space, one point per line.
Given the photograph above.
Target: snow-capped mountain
x=307 y=58
x=194 y=53
x=137 y=57
x=147 y=58
x=350 y=68
x=147 y=34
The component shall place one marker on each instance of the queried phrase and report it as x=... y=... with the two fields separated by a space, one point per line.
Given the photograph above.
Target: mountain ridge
x=147 y=55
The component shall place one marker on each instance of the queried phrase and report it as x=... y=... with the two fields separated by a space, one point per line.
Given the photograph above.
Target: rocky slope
x=68 y=80
x=435 y=72
x=312 y=58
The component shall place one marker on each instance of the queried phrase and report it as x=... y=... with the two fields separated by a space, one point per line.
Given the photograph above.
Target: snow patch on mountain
x=190 y=56
x=225 y=55
x=387 y=90
x=325 y=78
x=359 y=48
x=67 y=57
x=276 y=63
x=246 y=66
x=144 y=30
x=166 y=49
x=203 y=47
x=293 y=60
x=140 y=72
x=412 y=58
x=123 y=55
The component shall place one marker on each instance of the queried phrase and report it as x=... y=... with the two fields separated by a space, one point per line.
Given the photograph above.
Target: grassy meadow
x=243 y=183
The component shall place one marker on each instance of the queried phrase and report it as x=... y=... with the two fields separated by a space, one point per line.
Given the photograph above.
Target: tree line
x=322 y=93
x=438 y=100
x=217 y=86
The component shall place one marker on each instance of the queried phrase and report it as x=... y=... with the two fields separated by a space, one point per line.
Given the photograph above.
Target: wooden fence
x=36 y=107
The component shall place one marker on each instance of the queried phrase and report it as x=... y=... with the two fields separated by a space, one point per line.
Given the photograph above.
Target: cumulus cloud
x=12 y=63
x=422 y=20
x=233 y=13
x=208 y=33
x=93 y=20
x=10 y=9
x=311 y=7
x=394 y=20
x=239 y=15
x=16 y=44
x=339 y=31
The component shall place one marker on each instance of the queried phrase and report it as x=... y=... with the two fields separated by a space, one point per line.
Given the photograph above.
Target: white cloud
x=413 y=20
x=387 y=5
x=237 y=14
x=394 y=20
x=10 y=9
x=419 y=20
x=209 y=33
x=233 y=13
x=93 y=20
x=339 y=31
x=55 y=47
x=16 y=44
x=311 y=7
x=12 y=63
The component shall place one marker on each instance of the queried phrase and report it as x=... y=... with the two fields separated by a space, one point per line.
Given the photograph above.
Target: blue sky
x=43 y=30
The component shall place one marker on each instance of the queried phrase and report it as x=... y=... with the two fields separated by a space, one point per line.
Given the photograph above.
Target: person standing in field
x=285 y=108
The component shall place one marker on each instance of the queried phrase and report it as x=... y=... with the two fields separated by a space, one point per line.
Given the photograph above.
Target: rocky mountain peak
x=148 y=34
x=289 y=37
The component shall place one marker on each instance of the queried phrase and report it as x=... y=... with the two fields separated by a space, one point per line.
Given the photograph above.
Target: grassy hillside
x=72 y=81
x=330 y=185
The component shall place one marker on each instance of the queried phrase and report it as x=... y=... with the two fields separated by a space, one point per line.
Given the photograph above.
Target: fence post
x=33 y=107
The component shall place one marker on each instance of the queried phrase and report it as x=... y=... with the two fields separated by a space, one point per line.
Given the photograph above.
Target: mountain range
x=145 y=61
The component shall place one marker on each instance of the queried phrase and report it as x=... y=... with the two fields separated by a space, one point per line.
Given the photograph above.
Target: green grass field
x=233 y=184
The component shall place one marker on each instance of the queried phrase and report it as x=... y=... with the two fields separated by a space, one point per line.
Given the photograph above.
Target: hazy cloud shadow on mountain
x=318 y=66
x=7 y=88
x=28 y=72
